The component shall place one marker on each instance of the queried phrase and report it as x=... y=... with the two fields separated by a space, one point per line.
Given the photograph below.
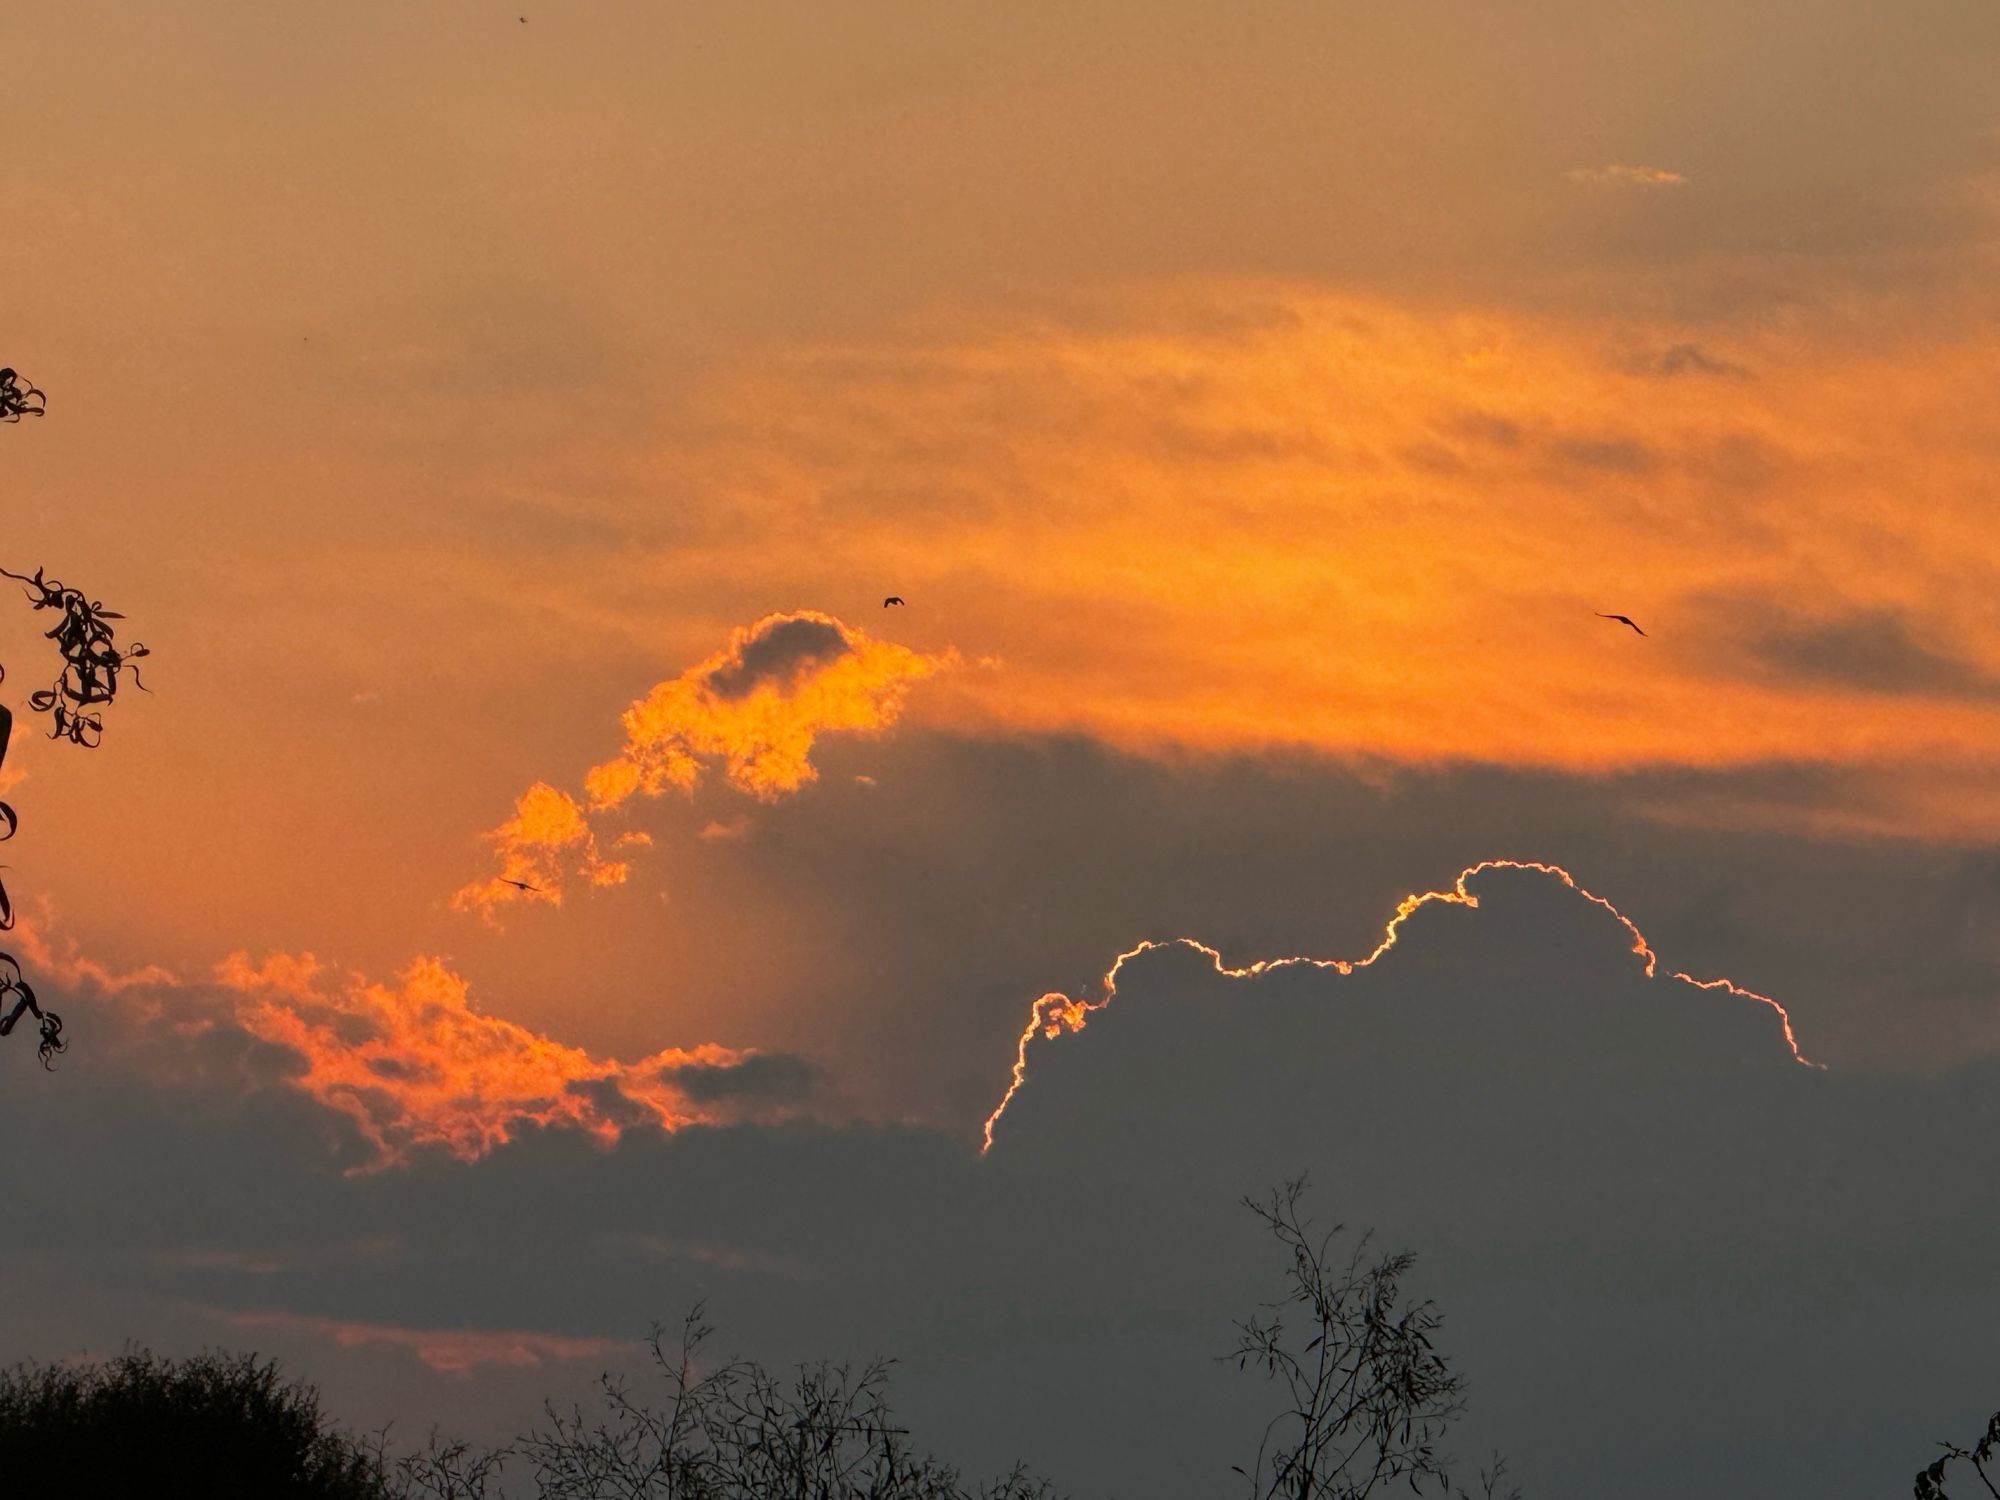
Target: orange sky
x=504 y=433
x=428 y=389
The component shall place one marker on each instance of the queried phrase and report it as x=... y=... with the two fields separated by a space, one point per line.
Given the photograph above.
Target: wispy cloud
x=1381 y=532
x=1624 y=174
x=446 y=1350
x=1691 y=359
x=1879 y=650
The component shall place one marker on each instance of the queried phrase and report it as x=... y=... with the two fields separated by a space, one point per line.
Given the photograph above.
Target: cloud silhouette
x=1054 y=1015
x=775 y=651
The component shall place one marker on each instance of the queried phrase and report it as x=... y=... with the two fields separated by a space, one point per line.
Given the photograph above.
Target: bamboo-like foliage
x=1367 y=1397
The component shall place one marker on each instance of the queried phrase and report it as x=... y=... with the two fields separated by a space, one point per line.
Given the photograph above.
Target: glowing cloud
x=1619 y=174
x=1055 y=1013
x=415 y=1066
x=547 y=826
x=757 y=706
x=1230 y=518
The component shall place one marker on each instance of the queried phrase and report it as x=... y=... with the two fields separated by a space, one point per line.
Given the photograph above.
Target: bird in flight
x=892 y=599
x=519 y=884
x=1621 y=619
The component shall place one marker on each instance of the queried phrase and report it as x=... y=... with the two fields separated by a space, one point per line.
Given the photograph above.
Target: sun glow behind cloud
x=1053 y=1014
x=1237 y=518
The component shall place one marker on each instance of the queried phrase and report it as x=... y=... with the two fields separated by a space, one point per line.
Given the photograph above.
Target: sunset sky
x=504 y=432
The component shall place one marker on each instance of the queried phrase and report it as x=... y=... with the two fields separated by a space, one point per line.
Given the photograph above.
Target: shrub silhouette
x=224 y=1427
x=729 y=1430
x=1366 y=1403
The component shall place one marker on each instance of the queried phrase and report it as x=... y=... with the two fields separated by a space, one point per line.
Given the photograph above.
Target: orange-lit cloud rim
x=415 y=1065
x=755 y=709
x=1054 y=1014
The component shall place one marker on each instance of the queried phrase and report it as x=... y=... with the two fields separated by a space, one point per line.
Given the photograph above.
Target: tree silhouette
x=224 y=1427
x=1368 y=1402
x=86 y=681
x=737 y=1431
x=1930 y=1482
x=91 y=663
x=1367 y=1397
x=18 y=400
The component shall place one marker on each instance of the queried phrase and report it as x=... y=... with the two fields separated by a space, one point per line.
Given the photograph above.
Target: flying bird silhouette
x=1621 y=619
x=519 y=884
x=892 y=599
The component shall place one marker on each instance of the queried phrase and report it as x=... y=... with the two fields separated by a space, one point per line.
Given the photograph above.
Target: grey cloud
x=775 y=1076
x=1608 y=1179
x=785 y=647
x=1868 y=650
x=399 y=1068
x=1611 y=455
x=1602 y=1173
x=611 y=1103
x=945 y=865
x=1485 y=427
x=1692 y=359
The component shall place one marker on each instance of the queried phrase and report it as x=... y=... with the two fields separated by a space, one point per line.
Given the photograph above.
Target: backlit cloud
x=547 y=834
x=415 y=1065
x=1052 y=1015
x=757 y=706
x=754 y=709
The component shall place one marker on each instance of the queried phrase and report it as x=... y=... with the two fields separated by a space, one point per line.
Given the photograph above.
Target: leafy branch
x=86 y=682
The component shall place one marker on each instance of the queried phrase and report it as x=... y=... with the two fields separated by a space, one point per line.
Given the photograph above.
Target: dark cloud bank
x=1672 y=1260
